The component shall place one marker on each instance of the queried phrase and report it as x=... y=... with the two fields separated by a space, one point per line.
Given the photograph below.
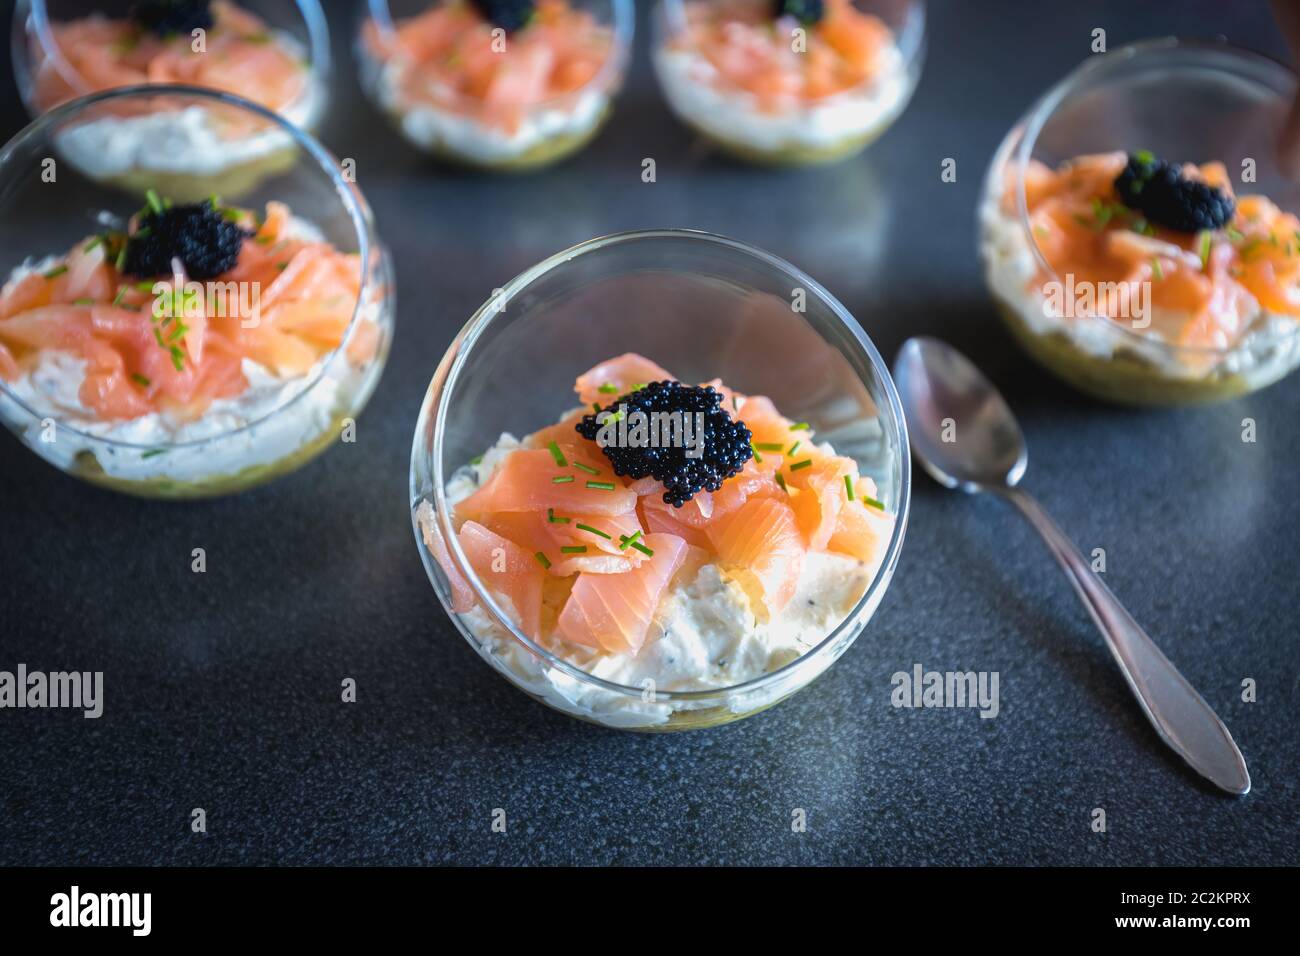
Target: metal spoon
x=966 y=437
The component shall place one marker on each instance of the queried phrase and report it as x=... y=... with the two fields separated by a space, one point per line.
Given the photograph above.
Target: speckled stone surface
x=222 y=689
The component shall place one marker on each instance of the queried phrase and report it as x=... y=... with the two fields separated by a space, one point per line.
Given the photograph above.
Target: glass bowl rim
x=913 y=54
x=444 y=380
x=313 y=15
x=358 y=212
x=1036 y=117
x=624 y=29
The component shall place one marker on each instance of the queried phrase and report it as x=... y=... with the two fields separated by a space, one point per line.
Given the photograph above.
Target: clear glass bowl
x=51 y=40
x=792 y=132
x=48 y=207
x=1182 y=100
x=464 y=129
x=705 y=307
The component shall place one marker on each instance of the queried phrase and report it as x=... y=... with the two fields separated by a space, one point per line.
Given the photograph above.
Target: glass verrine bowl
x=499 y=97
x=1113 y=301
x=165 y=380
x=274 y=53
x=707 y=307
x=777 y=91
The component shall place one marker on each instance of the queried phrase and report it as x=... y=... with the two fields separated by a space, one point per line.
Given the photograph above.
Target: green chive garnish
x=543 y=560
x=627 y=539
x=587 y=468
x=642 y=548
x=140 y=380
x=879 y=506
x=1203 y=246
x=1232 y=234
x=557 y=454
x=121 y=294
x=553 y=518
x=600 y=485
x=848 y=486
x=806 y=463
x=769 y=446
x=153 y=452
x=90 y=246
x=154 y=202
x=120 y=263
x=794 y=448
x=1156 y=271
x=55 y=272
x=561 y=479
x=476 y=460
x=574 y=549
x=83 y=301
x=799 y=427
x=757 y=457
x=780 y=480
x=595 y=407
x=609 y=388
x=586 y=527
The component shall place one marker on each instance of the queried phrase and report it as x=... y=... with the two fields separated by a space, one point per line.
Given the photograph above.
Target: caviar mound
x=509 y=15
x=1159 y=191
x=724 y=445
x=806 y=12
x=206 y=243
x=168 y=17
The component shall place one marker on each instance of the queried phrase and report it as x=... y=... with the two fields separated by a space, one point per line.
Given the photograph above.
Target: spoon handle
x=1180 y=715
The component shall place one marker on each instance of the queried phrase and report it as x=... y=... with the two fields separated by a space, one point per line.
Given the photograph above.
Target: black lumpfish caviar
x=167 y=17
x=806 y=12
x=206 y=243
x=1158 y=190
x=725 y=449
x=509 y=15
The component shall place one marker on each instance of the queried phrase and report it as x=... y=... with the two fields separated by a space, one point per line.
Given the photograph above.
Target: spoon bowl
x=963 y=432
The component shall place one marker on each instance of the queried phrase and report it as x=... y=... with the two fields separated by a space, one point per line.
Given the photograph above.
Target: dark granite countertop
x=222 y=689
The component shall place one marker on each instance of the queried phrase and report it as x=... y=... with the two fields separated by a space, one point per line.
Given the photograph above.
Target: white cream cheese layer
x=697 y=95
x=443 y=130
x=704 y=634
x=1264 y=354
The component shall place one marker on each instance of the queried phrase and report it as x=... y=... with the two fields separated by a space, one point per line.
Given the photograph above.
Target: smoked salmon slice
x=760 y=542
x=612 y=612
x=608 y=380
x=507 y=569
x=529 y=479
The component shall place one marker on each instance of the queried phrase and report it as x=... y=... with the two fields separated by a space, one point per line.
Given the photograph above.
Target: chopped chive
x=627 y=539
x=281 y=266
x=140 y=380
x=141 y=233
x=574 y=549
x=476 y=460
x=1155 y=268
x=780 y=480
x=121 y=294
x=806 y=463
x=1232 y=234
x=794 y=448
x=561 y=479
x=543 y=560
x=264 y=240
x=145 y=285
x=769 y=446
x=757 y=457
x=848 y=486
x=120 y=263
x=595 y=407
x=608 y=388
x=83 y=301
x=1145 y=157
x=55 y=272
x=587 y=468
x=799 y=427
x=642 y=548
x=152 y=452
x=90 y=246
x=155 y=204
x=637 y=387
x=557 y=454
x=878 y=505
x=553 y=518
x=615 y=416
x=600 y=485
x=1203 y=247
x=178 y=358
x=586 y=527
